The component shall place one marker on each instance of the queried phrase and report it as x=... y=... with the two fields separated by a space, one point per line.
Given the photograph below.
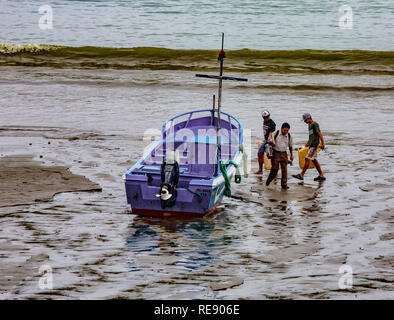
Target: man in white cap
x=315 y=136
x=269 y=127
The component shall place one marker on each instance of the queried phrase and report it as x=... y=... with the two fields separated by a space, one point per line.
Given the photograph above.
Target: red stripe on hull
x=178 y=214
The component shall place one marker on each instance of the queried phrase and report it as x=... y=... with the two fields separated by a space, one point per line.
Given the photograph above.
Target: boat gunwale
x=164 y=126
x=163 y=138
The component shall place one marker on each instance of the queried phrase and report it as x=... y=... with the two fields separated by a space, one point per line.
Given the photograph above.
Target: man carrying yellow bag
x=315 y=136
x=268 y=128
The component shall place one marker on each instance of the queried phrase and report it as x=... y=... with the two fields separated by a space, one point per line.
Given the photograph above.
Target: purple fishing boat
x=189 y=170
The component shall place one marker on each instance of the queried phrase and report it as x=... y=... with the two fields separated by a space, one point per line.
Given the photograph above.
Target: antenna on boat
x=213 y=108
x=221 y=57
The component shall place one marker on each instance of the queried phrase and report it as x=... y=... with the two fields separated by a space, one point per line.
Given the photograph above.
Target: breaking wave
x=244 y=60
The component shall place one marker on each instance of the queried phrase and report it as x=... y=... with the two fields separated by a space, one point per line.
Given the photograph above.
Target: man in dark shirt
x=269 y=127
x=315 y=136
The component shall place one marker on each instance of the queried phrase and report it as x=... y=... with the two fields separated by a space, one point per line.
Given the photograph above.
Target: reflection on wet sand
x=263 y=243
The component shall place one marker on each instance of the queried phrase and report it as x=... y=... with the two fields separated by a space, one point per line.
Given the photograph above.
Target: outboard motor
x=169 y=180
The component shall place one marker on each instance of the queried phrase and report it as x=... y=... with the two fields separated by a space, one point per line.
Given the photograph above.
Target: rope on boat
x=227 y=187
x=199 y=195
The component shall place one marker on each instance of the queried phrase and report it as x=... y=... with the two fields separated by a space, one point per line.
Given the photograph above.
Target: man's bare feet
x=259 y=172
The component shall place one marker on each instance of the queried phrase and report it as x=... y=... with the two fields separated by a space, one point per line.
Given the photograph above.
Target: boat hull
x=174 y=214
x=201 y=185
x=200 y=198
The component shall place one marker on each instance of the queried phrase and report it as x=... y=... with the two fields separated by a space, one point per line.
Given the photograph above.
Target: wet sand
x=261 y=243
x=24 y=181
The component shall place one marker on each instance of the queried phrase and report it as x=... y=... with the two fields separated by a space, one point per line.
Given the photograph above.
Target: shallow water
x=191 y=24
x=261 y=244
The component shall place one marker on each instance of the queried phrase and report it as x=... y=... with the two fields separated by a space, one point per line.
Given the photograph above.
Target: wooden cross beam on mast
x=220 y=78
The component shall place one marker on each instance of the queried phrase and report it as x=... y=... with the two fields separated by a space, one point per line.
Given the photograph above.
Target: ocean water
x=197 y=24
x=96 y=105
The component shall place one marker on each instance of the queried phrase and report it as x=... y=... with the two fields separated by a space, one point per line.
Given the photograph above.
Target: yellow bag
x=302 y=152
x=267 y=162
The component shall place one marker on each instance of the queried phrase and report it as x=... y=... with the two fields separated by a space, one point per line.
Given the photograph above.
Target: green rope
x=199 y=195
x=227 y=186
x=237 y=173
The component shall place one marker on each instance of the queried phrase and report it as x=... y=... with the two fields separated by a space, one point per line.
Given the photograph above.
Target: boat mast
x=221 y=57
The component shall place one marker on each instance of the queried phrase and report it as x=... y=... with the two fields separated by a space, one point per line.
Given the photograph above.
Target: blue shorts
x=262 y=147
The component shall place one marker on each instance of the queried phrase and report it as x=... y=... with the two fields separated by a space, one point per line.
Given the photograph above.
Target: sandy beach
x=261 y=243
x=24 y=181
x=85 y=87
